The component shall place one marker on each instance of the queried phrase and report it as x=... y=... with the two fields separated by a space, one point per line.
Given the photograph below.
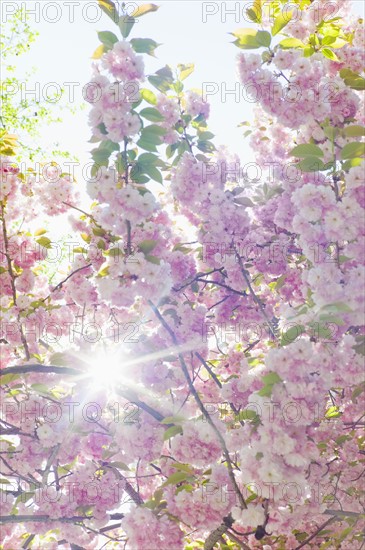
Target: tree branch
x=201 y=406
x=43 y=518
x=304 y=543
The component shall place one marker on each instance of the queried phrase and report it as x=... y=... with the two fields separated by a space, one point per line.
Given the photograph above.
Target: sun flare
x=108 y=369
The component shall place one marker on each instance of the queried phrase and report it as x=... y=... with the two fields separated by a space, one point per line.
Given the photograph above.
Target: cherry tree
x=195 y=379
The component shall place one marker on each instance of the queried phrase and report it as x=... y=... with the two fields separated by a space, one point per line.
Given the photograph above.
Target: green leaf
x=306 y=150
x=185 y=70
x=109 y=145
x=147 y=145
x=354 y=131
x=203 y=136
x=263 y=38
x=352 y=150
x=153 y=259
x=107 y=38
x=175 y=478
x=255 y=12
x=8 y=378
x=126 y=23
x=152 y=134
x=101 y=157
x=120 y=164
x=153 y=173
x=330 y=132
x=148 y=159
x=148 y=96
x=163 y=79
x=144 y=45
x=172 y=419
x=45 y=242
x=178 y=86
x=311 y=164
x=147 y=246
x=150 y=137
x=337 y=307
x=355 y=83
x=288 y=43
x=205 y=146
x=162 y=83
x=104 y=271
x=119 y=465
x=115 y=252
x=360 y=345
x=351 y=163
x=246 y=39
x=151 y=114
x=144 y=9
x=291 y=335
x=308 y=51
x=357 y=392
x=333 y=412
x=249 y=39
x=100 y=50
x=352 y=79
x=339 y=43
x=40 y=388
x=330 y=54
x=280 y=22
x=328 y=40
x=345 y=73
x=244 y=201
x=40 y=232
x=182 y=467
x=271 y=378
x=247 y=415
x=170 y=432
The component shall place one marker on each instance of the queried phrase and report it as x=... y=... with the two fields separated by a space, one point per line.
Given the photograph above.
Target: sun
x=107 y=368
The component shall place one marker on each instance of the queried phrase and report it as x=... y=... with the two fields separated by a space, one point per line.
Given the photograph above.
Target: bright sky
x=188 y=32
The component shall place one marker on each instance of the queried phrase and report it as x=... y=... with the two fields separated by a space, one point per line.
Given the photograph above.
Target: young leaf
x=246 y=39
x=185 y=70
x=109 y=8
x=280 y=22
x=291 y=43
x=327 y=52
x=144 y=9
x=255 y=12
